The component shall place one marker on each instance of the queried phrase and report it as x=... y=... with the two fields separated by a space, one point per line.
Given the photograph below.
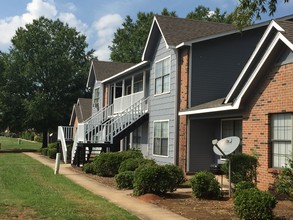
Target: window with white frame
x=162 y=76
x=97 y=98
x=137 y=138
x=281 y=137
x=232 y=127
x=161 y=138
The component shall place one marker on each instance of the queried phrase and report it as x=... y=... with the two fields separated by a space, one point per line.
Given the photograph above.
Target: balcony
x=123 y=102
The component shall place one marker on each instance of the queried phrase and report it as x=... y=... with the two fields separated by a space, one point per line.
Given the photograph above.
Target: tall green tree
x=48 y=66
x=129 y=40
x=204 y=13
x=252 y=9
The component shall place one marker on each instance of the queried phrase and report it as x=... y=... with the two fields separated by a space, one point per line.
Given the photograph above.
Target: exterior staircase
x=103 y=131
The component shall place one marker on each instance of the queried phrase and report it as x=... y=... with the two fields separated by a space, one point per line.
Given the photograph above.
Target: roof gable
x=178 y=30
x=101 y=70
x=81 y=110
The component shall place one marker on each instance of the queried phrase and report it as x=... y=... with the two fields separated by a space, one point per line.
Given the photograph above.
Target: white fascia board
x=155 y=21
x=272 y=25
x=210 y=110
x=89 y=75
x=72 y=112
x=278 y=37
x=124 y=71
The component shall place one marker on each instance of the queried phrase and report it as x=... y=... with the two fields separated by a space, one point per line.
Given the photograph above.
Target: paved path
x=121 y=198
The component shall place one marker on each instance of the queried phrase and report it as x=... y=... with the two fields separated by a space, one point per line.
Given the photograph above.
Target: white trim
x=155 y=63
x=125 y=71
x=252 y=57
x=153 y=138
x=90 y=72
x=207 y=110
x=155 y=21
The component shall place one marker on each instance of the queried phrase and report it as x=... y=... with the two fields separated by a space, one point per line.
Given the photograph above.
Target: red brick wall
x=183 y=96
x=273 y=94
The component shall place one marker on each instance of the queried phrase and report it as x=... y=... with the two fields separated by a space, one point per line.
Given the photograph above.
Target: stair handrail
x=118 y=123
x=61 y=137
x=103 y=113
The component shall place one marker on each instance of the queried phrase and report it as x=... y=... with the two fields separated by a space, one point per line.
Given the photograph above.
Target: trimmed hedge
x=156 y=179
x=176 y=175
x=132 y=164
x=124 y=180
x=205 y=185
x=52 y=150
x=254 y=204
x=107 y=164
x=242 y=186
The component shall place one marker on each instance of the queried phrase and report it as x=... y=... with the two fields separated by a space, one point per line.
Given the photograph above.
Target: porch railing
x=65 y=133
x=122 y=103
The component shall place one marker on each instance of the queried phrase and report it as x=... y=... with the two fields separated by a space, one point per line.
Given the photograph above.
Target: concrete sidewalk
x=121 y=198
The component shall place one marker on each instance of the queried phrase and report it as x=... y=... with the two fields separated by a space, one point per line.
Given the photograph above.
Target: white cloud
x=38 y=8
x=104 y=32
x=71 y=7
x=72 y=21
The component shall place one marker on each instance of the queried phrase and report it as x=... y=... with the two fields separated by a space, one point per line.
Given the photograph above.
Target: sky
x=99 y=19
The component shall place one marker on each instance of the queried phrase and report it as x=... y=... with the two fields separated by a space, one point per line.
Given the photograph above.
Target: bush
x=38 y=137
x=151 y=179
x=176 y=174
x=107 y=164
x=242 y=186
x=52 y=150
x=132 y=164
x=243 y=168
x=205 y=185
x=284 y=181
x=44 y=151
x=254 y=204
x=124 y=180
x=89 y=168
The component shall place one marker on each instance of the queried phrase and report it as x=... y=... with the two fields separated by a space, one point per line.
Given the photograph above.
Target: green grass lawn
x=30 y=190
x=13 y=143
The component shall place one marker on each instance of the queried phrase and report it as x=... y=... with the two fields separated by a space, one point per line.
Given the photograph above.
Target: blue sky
x=98 y=19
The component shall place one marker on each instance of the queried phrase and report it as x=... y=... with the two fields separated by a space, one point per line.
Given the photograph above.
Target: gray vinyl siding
x=162 y=106
x=217 y=63
x=201 y=154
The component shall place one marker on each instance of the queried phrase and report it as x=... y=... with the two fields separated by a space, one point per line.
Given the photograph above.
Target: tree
x=129 y=40
x=47 y=71
x=252 y=9
x=204 y=13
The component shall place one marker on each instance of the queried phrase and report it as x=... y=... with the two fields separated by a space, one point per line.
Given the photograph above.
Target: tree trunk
x=45 y=138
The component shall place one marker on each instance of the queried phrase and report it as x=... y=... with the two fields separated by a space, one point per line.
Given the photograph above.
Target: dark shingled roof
x=105 y=69
x=207 y=105
x=178 y=30
x=288 y=27
x=82 y=109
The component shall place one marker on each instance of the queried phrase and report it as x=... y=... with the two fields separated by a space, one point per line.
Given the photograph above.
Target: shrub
x=132 y=164
x=254 y=204
x=151 y=179
x=205 y=185
x=243 y=168
x=242 y=186
x=44 y=151
x=124 y=180
x=107 y=164
x=52 y=150
x=89 y=168
x=284 y=181
x=38 y=137
x=177 y=176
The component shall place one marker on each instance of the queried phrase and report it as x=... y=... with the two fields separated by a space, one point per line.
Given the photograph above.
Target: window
x=281 y=137
x=137 y=138
x=232 y=127
x=97 y=98
x=118 y=89
x=138 y=83
x=127 y=86
x=162 y=76
x=161 y=136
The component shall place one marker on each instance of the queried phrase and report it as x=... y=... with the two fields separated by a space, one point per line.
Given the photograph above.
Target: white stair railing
x=78 y=138
x=64 y=133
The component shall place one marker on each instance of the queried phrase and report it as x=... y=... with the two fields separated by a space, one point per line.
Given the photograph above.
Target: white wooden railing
x=78 y=138
x=65 y=133
x=124 y=102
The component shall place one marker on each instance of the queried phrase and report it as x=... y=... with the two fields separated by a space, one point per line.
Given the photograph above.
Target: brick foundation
x=273 y=94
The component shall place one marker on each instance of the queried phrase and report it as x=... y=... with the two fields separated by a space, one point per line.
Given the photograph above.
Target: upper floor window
x=281 y=137
x=97 y=98
x=138 y=83
x=162 y=76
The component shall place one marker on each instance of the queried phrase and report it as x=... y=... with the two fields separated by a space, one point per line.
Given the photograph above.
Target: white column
x=144 y=83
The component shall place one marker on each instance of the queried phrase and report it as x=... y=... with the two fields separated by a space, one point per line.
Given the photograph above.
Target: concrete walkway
x=121 y=198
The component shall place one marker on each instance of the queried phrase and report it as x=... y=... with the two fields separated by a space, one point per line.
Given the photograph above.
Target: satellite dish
x=226 y=145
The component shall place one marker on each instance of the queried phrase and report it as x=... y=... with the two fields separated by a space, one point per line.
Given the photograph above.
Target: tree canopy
x=129 y=40
x=46 y=72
